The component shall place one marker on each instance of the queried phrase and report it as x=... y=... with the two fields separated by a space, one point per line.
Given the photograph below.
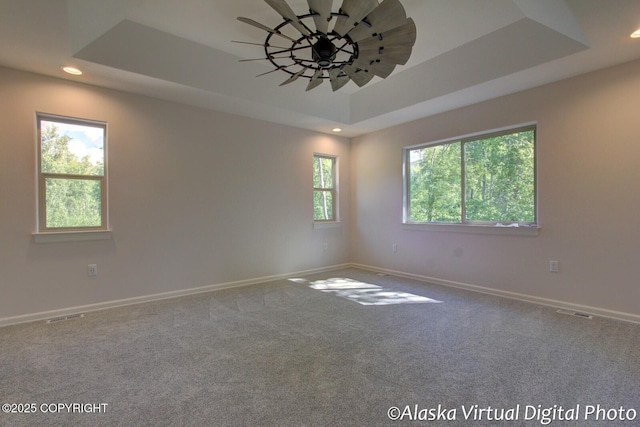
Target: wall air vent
x=65 y=318
x=575 y=313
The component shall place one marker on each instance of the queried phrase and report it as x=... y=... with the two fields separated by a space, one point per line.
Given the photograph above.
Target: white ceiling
x=181 y=50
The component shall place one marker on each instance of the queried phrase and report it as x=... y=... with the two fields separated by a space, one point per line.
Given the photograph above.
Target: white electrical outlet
x=92 y=269
x=553 y=266
x=394 y=248
x=325 y=246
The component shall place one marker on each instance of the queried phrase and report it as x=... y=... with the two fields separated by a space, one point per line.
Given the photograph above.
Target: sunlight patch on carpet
x=364 y=293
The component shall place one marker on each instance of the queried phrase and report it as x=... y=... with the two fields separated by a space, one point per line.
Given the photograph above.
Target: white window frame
x=502 y=227
x=333 y=190
x=79 y=233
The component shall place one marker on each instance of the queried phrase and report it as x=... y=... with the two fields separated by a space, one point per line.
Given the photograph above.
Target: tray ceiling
x=466 y=51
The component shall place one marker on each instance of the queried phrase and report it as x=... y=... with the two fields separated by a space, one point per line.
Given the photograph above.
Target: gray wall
x=196 y=198
x=589 y=197
x=201 y=198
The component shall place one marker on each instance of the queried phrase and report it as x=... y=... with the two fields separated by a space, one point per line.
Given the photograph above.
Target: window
x=72 y=182
x=485 y=179
x=324 y=188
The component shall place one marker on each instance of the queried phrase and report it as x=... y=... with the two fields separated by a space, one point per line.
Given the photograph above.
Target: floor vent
x=575 y=313
x=382 y=274
x=65 y=318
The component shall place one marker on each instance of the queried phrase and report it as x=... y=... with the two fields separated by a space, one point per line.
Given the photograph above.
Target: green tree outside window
x=487 y=179
x=72 y=174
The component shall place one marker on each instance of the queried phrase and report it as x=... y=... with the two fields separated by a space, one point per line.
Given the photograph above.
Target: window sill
x=328 y=224
x=72 y=236
x=473 y=229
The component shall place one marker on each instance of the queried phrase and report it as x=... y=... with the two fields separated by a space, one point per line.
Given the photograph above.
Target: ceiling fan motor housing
x=324 y=52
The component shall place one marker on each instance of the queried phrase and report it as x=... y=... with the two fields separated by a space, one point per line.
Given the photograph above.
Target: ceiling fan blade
x=393 y=46
x=390 y=14
x=263 y=59
x=287 y=13
x=269 y=72
x=395 y=55
x=338 y=78
x=259 y=44
x=380 y=69
x=404 y=34
x=265 y=28
x=357 y=10
x=293 y=78
x=359 y=76
x=316 y=80
x=323 y=10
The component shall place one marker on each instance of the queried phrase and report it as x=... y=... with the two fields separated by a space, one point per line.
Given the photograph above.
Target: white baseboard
x=628 y=317
x=157 y=297
x=595 y=311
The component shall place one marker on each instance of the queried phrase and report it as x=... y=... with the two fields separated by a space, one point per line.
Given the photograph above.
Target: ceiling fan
x=363 y=39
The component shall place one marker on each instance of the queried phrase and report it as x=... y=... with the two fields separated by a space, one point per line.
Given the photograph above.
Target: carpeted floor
x=286 y=354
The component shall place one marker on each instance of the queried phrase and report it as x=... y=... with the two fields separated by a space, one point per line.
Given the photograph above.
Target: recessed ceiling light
x=72 y=70
x=636 y=34
x=336 y=130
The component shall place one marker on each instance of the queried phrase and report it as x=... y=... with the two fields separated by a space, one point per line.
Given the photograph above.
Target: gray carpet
x=284 y=354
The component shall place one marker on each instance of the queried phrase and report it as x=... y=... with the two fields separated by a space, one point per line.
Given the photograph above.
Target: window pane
x=435 y=184
x=323 y=172
x=323 y=205
x=73 y=203
x=499 y=178
x=72 y=149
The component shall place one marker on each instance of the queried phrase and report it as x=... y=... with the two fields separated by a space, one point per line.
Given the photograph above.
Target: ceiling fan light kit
x=363 y=39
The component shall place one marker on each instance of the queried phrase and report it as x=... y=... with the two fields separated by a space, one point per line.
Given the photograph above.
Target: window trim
x=72 y=236
x=43 y=176
x=506 y=227
x=334 y=190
